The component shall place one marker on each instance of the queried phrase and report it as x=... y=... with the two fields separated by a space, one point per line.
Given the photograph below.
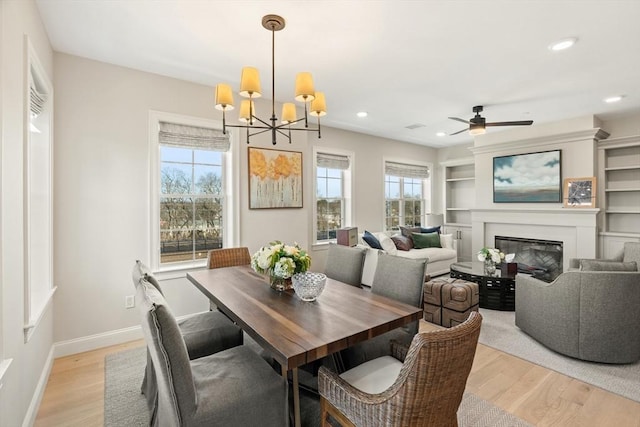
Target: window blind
x=405 y=170
x=185 y=136
x=332 y=161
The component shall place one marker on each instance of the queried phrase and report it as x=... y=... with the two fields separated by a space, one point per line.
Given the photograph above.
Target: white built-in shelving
x=459 y=199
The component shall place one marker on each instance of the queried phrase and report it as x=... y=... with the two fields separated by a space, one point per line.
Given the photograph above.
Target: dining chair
x=204 y=334
x=345 y=264
x=397 y=278
x=421 y=385
x=228 y=257
x=234 y=387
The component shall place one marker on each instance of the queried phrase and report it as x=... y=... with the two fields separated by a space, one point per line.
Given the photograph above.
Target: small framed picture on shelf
x=580 y=192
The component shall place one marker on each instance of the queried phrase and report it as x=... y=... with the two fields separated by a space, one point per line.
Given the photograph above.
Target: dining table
x=296 y=332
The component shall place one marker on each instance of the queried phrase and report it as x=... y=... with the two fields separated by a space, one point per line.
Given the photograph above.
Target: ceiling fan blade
x=517 y=123
x=460 y=131
x=460 y=120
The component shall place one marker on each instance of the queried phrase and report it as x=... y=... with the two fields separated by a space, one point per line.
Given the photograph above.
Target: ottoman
x=448 y=302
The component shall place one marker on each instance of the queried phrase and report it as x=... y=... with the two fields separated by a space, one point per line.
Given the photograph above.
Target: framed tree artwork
x=580 y=192
x=275 y=178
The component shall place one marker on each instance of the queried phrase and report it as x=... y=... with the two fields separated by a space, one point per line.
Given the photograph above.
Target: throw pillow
x=431 y=229
x=371 y=240
x=446 y=241
x=403 y=243
x=603 y=265
x=426 y=240
x=406 y=231
x=388 y=245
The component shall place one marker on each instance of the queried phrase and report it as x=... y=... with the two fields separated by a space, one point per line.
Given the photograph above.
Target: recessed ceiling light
x=440 y=134
x=362 y=114
x=563 y=44
x=613 y=99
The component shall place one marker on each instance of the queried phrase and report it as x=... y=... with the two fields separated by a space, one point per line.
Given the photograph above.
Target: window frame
x=348 y=213
x=39 y=287
x=230 y=180
x=426 y=200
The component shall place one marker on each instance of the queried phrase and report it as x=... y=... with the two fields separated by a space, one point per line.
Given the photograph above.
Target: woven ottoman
x=448 y=302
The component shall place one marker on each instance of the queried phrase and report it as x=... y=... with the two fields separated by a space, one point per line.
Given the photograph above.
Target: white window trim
x=348 y=195
x=33 y=314
x=428 y=206
x=230 y=176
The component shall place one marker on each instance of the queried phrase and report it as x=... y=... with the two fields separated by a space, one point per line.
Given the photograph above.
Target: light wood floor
x=75 y=392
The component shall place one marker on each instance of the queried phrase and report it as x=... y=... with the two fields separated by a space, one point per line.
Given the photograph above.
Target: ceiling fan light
x=475 y=129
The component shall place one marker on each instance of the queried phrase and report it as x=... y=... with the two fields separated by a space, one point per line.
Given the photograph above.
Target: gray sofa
x=589 y=315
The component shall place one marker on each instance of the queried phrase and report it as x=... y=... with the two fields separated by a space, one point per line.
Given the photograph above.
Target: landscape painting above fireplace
x=528 y=178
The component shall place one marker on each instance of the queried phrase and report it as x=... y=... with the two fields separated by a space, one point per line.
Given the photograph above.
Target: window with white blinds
x=407 y=194
x=332 y=207
x=191 y=190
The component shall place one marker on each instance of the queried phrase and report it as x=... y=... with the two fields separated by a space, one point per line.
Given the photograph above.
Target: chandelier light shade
x=224 y=97
x=250 y=88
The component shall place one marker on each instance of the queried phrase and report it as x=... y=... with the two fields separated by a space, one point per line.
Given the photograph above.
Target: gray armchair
x=589 y=315
x=630 y=253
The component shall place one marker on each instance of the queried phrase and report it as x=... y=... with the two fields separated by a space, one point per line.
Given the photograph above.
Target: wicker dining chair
x=424 y=390
x=228 y=257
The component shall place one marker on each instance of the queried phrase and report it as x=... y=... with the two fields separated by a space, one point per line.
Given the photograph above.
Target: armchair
x=589 y=315
x=424 y=390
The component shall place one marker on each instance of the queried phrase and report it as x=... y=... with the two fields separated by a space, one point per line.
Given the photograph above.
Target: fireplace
x=540 y=258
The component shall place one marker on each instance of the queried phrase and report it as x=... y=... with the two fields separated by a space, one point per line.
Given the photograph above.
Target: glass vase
x=489 y=267
x=279 y=284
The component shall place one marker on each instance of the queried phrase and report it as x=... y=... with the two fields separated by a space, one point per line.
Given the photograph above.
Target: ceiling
x=404 y=62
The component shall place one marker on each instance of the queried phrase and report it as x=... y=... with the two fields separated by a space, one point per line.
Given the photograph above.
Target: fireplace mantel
x=575 y=227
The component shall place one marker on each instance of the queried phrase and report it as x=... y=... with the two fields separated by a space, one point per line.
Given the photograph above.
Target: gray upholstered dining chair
x=204 y=334
x=345 y=264
x=419 y=386
x=234 y=387
x=401 y=279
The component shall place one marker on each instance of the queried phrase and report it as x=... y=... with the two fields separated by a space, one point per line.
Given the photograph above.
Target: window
x=333 y=193
x=38 y=165
x=191 y=207
x=407 y=191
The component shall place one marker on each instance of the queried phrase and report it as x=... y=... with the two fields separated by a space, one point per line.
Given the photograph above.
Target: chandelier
x=250 y=88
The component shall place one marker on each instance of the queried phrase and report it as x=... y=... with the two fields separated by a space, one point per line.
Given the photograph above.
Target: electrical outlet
x=129 y=301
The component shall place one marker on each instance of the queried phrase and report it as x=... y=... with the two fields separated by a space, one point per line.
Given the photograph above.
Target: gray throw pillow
x=601 y=265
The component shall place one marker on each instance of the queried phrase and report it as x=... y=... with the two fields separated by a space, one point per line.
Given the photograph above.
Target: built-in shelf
x=470 y=178
x=459 y=199
x=458 y=209
x=619 y=191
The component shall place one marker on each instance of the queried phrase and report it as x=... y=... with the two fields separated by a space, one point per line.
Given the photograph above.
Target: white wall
x=102 y=192
x=29 y=368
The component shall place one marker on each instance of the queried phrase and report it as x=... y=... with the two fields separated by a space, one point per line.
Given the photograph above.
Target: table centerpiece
x=279 y=262
x=491 y=257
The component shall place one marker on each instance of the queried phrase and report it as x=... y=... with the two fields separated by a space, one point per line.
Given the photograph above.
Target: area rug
x=500 y=332
x=124 y=406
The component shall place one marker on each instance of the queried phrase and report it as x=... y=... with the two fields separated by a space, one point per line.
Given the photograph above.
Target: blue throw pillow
x=431 y=230
x=371 y=240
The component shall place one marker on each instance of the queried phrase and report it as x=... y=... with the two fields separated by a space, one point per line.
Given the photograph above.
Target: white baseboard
x=32 y=411
x=105 y=339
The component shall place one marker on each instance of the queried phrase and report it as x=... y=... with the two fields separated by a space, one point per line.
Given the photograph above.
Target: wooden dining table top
x=296 y=332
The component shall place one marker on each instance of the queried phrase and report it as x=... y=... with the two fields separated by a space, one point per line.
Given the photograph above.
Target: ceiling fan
x=477 y=124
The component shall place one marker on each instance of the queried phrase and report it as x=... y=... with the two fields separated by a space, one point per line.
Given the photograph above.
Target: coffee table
x=497 y=291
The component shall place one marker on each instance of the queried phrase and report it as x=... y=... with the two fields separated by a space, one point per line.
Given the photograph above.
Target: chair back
x=228 y=257
x=141 y=271
x=401 y=279
x=434 y=374
x=345 y=264
x=632 y=252
x=176 y=389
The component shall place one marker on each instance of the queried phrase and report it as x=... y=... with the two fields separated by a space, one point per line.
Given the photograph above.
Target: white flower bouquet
x=280 y=261
x=490 y=254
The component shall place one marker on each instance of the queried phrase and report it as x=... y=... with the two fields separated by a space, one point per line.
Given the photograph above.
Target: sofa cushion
x=602 y=265
x=403 y=243
x=446 y=241
x=387 y=244
x=371 y=240
x=426 y=240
